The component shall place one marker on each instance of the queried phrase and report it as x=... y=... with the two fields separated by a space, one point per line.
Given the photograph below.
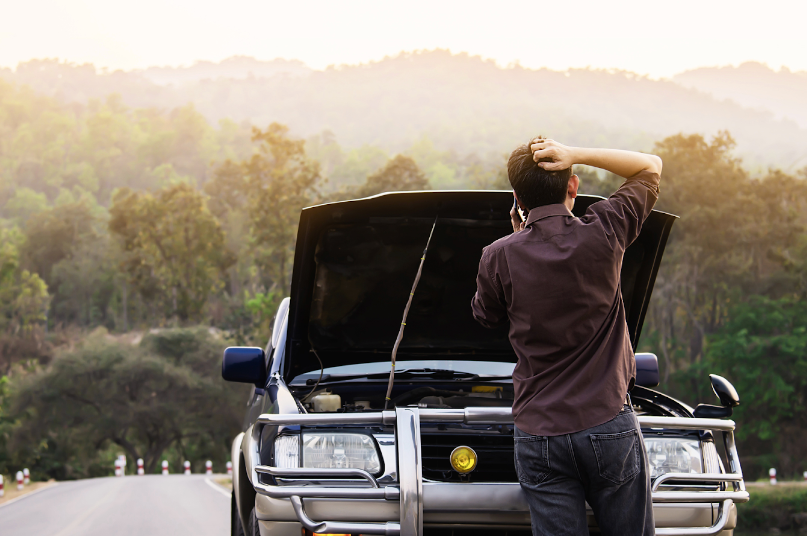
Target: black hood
x=356 y=260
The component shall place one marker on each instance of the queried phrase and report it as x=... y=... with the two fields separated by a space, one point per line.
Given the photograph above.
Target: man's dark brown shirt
x=557 y=282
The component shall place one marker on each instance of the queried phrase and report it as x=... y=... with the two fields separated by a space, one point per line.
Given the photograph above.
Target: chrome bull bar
x=408 y=491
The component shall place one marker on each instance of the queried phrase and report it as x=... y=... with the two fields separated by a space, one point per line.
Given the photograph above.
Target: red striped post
x=165 y=467
x=772 y=474
x=140 y=470
x=20 y=480
x=2 y=491
x=230 y=470
x=187 y=467
x=208 y=468
x=26 y=476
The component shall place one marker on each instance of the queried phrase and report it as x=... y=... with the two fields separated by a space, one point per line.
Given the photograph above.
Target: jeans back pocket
x=617 y=455
x=532 y=458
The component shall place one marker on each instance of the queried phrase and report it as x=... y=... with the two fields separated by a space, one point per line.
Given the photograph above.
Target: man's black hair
x=534 y=185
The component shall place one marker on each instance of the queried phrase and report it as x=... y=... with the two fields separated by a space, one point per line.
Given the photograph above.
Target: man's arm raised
x=552 y=156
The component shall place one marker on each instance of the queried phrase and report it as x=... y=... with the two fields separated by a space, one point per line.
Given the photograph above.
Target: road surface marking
x=217 y=487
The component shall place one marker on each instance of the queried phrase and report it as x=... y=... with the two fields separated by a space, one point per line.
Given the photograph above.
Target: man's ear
x=574 y=184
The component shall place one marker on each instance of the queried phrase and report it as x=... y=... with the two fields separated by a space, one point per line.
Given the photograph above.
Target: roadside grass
x=773 y=507
x=225 y=482
x=11 y=492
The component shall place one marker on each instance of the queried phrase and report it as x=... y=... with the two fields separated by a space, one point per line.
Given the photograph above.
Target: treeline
x=463 y=103
x=142 y=225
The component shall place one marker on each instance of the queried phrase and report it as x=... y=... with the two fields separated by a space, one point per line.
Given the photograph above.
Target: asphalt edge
x=12 y=501
x=218 y=487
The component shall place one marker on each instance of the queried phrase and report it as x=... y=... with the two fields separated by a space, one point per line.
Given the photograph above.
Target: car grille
x=494 y=453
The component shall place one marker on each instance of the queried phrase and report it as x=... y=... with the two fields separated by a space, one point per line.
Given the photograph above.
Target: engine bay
x=343 y=399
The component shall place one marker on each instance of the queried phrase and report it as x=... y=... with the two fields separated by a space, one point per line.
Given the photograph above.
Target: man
x=556 y=280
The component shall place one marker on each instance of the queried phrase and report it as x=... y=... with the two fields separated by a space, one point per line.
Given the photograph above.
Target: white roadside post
x=118 y=471
x=20 y=480
x=208 y=468
x=122 y=464
x=26 y=475
x=187 y=467
x=165 y=467
x=230 y=470
x=2 y=491
x=772 y=474
x=805 y=476
x=140 y=470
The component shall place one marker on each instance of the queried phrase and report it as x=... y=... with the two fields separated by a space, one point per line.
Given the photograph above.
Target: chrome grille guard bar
x=409 y=488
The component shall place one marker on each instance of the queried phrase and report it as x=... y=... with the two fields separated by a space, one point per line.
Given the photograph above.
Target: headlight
x=673 y=455
x=326 y=450
x=287 y=451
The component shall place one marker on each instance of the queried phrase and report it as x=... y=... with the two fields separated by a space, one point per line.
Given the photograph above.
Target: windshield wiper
x=439 y=374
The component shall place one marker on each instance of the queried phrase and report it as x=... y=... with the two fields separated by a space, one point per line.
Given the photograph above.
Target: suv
x=324 y=451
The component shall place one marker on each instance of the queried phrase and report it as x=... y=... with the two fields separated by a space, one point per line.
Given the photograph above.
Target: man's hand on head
x=515 y=219
x=551 y=155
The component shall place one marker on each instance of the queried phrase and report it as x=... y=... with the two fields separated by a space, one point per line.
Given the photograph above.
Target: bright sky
x=647 y=36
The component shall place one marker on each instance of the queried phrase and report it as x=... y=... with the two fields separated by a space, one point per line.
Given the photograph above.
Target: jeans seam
x=571 y=454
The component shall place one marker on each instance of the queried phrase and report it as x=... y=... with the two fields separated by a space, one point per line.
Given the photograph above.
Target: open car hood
x=355 y=263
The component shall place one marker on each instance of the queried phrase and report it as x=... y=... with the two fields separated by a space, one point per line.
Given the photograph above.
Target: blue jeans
x=605 y=465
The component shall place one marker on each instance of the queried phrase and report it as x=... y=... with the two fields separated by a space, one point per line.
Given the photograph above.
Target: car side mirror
x=725 y=391
x=647 y=370
x=728 y=398
x=244 y=364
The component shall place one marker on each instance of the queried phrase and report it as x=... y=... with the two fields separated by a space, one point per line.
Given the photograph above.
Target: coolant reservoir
x=326 y=401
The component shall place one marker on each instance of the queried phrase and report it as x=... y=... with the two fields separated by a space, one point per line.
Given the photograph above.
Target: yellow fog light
x=463 y=459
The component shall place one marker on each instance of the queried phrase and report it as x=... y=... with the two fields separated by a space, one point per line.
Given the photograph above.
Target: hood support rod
x=405 y=314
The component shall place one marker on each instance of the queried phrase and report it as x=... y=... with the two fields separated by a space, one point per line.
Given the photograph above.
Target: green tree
x=732 y=241
x=273 y=185
x=399 y=174
x=23 y=303
x=164 y=393
x=173 y=246
x=762 y=349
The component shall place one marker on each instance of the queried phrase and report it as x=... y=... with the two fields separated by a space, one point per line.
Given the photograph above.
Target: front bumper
x=404 y=506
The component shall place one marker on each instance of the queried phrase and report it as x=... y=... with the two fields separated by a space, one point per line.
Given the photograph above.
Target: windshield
x=483 y=368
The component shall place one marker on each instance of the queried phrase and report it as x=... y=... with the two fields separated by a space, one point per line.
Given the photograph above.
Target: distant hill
x=234 y=68
x=461 y=103
x=754 y=85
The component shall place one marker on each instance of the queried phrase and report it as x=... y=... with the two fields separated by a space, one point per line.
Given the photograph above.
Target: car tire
x=254 y=528
x=236 y=528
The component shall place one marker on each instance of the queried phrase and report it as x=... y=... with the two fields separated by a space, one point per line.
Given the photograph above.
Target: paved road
x=129 y=506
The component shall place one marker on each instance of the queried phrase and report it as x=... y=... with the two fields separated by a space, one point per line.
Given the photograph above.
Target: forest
x=137 y=242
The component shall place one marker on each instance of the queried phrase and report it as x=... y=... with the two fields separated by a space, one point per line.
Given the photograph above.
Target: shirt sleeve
x=488 y=304
x=623 y=213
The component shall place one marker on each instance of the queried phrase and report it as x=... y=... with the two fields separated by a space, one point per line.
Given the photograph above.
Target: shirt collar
x=539 y=213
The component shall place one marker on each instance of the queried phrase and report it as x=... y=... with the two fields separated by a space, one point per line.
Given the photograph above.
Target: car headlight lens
x=340 y=451
x=287 y=451
x=328 y=450
x=673 y=455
